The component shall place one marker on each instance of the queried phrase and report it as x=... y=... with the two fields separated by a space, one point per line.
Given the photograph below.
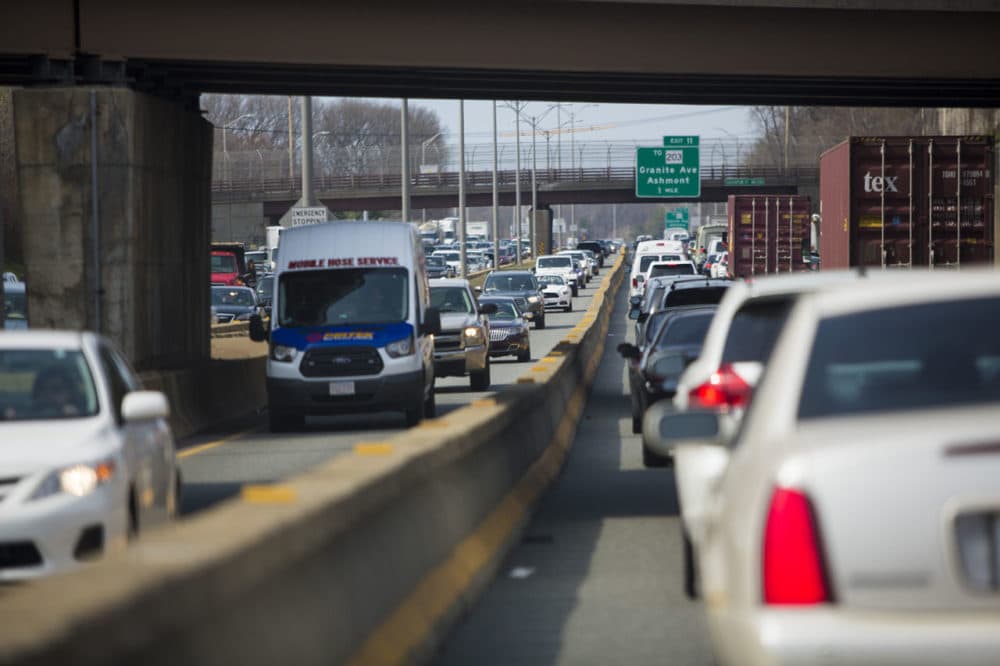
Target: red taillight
x=635 y=283
x=724 y=388
x=793 y=567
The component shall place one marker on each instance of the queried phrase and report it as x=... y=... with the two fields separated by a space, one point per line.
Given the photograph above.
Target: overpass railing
x=711 y=176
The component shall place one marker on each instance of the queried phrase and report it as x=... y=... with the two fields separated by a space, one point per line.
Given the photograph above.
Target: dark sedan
x=654 y=371
x=508 y=328
x=233 y=304
x=437 y=267
x=523 y=287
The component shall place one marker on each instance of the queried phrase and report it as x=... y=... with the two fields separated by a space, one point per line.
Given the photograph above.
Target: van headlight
x=532 y=299
x=77 y=480
x=282 y=353
x=472 y=336
x=400 y=348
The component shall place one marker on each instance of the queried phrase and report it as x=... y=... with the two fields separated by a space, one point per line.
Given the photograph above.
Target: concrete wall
x=153 y=181
x=239 y=222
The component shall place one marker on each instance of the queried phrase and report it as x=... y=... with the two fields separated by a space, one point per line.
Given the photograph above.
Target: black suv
x=594 y=247
x=522 y=286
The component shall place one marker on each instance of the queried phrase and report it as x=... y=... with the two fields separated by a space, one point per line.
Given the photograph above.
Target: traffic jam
x=833 y=433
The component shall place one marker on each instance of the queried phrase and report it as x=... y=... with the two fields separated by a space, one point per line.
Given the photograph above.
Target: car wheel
x=285 y=421
x=430 y=405
x=576 y=289
x=540 y=322
x=174 y=496
x=568 y=308
x=636 y=417
x=480 y=380
x=651 y=459
x=690 y=572
x=524 y=355
x=414 y=414
x=133 y=516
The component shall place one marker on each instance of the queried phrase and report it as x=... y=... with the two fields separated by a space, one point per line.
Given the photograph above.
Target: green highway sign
x=669 y=172
x=743 y=182
x=678 y=218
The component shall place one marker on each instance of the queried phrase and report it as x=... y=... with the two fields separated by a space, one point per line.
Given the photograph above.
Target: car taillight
x=724 y=388
x=635 y=283
x=793 y=566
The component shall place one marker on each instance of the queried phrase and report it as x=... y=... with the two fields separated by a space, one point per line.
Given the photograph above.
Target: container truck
x=907 y=201
x=768 y=234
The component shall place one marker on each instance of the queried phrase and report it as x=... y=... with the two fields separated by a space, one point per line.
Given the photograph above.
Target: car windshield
x=258 y=258
x=450 y=256
x=646 y=260
x=677 y=269
x=551 y=280
x=227 y=296
x=44 y=384
x=904 y=358
x=452 y=299
x=684 y=330
x=223 y=263
x=264 y=286
x=343 y=296
x=15 y=306
x=437 y=261
x=555 y=262
x=501 y=282
x=505 y=311
x=754 y=330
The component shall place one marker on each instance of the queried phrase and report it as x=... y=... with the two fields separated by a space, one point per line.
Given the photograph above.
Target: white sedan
x=856 y=514
x=87 y=456
x=556 y=292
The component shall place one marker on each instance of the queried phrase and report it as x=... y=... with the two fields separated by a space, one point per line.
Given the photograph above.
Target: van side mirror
x=257 y=331
x=432 y=322
x=634 y=313
x=629 y=351
x=642 y=317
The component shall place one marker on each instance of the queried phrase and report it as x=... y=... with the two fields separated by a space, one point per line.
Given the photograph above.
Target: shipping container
x=907 y=201
x=768 y=234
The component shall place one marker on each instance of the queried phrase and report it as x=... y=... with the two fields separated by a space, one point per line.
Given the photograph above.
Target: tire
x=174 y=500
x=285 y=421
x=524 y=355
x=568 y=308
x=576 y=289
x=430 y=405
x=132 y=529
x=480 y=381
x=636 y=417
x=540 y=322
x=690 y=571
x=653 y=460
x=415 y=414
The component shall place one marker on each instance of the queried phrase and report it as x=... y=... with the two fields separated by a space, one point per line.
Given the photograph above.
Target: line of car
x=833 y=439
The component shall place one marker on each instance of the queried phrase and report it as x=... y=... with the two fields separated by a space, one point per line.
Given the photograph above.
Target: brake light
x=793 y=566
x=635 y=283
x=724 y=388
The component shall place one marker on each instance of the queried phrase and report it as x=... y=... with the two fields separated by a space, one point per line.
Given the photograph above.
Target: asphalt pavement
x=597 y=577
x=216 y=464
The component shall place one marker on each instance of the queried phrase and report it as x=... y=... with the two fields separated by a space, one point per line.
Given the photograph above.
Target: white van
x=562 y=265
x=649 y=252
x=351 y=324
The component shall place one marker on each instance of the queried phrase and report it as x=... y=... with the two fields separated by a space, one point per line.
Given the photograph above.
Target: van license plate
x=341 y=388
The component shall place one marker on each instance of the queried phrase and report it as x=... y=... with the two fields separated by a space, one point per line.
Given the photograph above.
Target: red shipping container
x=766 y=233
x=907 y=201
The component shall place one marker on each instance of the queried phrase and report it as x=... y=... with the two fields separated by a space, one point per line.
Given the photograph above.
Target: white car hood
x=455 y=321
x=29 y=446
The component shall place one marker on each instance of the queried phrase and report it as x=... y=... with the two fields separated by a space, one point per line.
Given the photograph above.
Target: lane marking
x=268 y=494
x=201 y=448
x=373 y=449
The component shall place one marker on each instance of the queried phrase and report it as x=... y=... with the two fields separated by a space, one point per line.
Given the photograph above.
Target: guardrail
x=368 y=559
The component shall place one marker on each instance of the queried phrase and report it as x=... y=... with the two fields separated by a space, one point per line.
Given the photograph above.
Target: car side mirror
x=633 y=314
x=629 y=351
x=478 y=290
x=642 y=317
x=432 y=322
x=488 y=309
x=144 y=406
x=256 y=329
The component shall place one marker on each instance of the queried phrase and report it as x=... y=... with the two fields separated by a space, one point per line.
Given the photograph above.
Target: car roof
x=450 y=282
x=699 y=283
x=44 y=339
x=512 y=272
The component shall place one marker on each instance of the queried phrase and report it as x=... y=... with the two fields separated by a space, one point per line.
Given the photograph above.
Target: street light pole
x=405 y=166
x=461 y=186
x=307 y=151
x=423 y=161
x=496 y=195
x=517 y=184
x=534 y=190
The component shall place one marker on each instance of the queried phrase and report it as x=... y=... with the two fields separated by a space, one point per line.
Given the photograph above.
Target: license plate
x=341 y=388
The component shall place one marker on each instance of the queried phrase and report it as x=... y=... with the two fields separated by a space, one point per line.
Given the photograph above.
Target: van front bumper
x=372 y=394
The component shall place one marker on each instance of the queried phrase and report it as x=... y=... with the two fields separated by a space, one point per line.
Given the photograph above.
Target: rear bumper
x=824 y=636
x=375 y=394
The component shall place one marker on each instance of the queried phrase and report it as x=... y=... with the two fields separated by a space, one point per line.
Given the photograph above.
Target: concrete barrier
x=368 y=559
x=230 y=330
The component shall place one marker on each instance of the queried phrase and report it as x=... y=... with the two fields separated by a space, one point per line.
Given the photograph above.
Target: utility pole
x=404 y=177
x=787 y=119
x=496 y=195
x=534 y=189
x=291 y=143
x=614 y=220
x=461 y=186
x=307 y=152
x=517 y=183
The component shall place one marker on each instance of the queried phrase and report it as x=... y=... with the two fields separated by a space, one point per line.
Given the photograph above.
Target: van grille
x=341 y=362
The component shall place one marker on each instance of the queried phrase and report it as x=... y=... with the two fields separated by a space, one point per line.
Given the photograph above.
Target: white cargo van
x=648 y=252
x=351 y=324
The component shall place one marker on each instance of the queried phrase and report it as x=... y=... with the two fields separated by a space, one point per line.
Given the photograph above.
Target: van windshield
x=223 y=263
x=343 y=297
x=555 y=262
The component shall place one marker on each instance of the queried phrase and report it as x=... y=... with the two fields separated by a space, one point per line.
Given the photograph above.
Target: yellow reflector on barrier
x=484 y=402
x=374 y=449
x=525 y=380
x=538 y=368
x=434 y=423
x=271 y=494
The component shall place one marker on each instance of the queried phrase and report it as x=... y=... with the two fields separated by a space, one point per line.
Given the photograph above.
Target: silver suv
x=462 y=347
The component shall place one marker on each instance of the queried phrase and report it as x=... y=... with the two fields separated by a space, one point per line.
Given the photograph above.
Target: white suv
x=558 y=264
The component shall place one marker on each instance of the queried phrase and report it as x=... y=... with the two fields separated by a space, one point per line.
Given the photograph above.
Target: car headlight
x=400 y=348
x=283 y=353
x=532 y=299
x=77 y=480
x=472 y=336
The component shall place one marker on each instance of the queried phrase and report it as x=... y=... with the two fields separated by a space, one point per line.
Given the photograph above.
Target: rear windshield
x=698 y=296
x=754 y=330
x=238 y=297
x=44 y=384
x=555 y=262
x=343 y=296
x=547 y=280
x=678 y=269
x=223 y=263
x=501 y=282
x=904 y=358
x=646 y=260
x=686 y=330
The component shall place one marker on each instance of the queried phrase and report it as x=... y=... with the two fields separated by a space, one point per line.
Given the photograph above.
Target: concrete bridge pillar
x=114 y=198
